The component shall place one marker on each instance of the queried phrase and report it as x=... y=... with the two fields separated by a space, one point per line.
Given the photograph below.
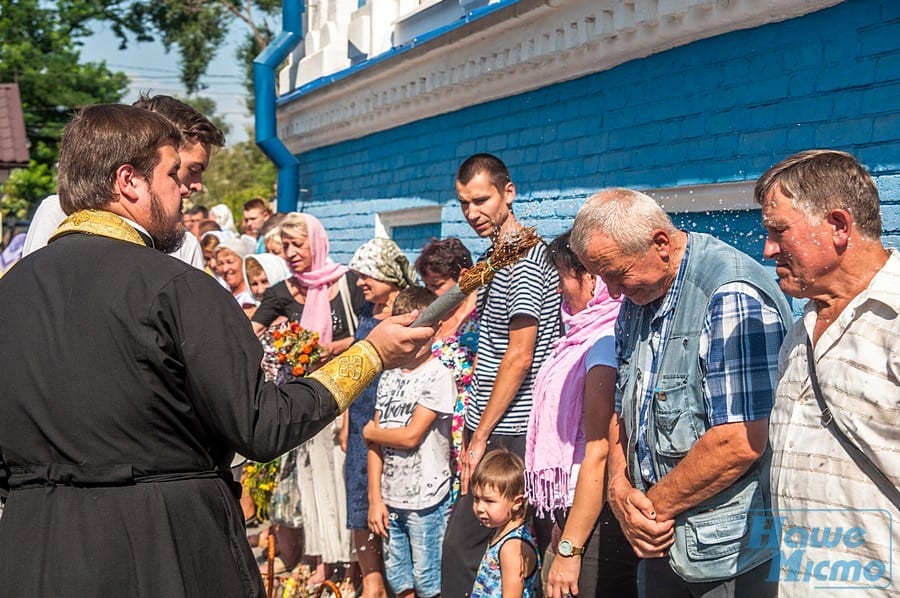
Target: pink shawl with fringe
x=555 y=438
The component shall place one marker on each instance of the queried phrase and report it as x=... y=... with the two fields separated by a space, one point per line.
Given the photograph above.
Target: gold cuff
x=349 y=373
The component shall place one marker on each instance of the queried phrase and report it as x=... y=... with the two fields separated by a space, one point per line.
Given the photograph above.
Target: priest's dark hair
x=97 y=141
x=195 y=127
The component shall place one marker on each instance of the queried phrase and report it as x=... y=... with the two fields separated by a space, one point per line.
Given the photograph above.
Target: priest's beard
x=166 y=231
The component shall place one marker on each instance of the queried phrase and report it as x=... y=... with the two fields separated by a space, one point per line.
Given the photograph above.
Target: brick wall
x=717 y=110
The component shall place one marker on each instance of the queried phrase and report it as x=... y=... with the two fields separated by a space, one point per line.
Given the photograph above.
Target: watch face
x=565 y=548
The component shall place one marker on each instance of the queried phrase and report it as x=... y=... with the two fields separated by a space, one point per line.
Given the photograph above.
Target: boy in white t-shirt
x=409 y=464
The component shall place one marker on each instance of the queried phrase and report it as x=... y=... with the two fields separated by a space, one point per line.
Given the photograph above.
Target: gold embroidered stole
x=98 y=222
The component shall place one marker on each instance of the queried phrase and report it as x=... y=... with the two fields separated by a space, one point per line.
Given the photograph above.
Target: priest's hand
x=396 y=342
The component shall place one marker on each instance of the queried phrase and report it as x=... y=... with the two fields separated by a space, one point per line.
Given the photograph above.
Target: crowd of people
x=627 y=410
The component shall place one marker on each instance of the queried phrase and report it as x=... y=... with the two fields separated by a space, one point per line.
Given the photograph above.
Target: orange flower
x=282 y=358
x=304 y=359
x=277 y=335
x=298 y=370
x=307 y=349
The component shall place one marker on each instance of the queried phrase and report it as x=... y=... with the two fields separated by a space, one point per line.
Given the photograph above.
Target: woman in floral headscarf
x=382 y=272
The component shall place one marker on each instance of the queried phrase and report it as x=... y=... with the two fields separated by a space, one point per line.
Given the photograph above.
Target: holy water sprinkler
x=508 y=251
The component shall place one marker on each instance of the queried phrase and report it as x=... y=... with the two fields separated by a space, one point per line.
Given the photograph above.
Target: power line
x=169 y=71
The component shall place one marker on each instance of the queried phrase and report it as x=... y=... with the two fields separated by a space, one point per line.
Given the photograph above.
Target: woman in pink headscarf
x=322 y=295
x=567 y=441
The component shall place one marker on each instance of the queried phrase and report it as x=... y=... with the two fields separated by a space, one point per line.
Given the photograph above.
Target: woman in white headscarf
x=262 y=270
x=223 y=216
x=229 y=257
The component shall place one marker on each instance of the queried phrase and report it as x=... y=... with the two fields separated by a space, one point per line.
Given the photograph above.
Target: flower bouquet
x=291 y=351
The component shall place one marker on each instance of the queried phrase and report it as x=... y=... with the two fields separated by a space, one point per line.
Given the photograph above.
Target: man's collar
x=667 y=302
x=148 y=240
x=101 y=223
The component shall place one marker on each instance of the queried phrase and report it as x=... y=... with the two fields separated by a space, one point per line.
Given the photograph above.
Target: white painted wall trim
x=386 y=221
x=526 y=46
x=706 y=198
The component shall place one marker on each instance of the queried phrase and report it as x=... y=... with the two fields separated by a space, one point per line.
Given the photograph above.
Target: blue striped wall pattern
x=717 y=110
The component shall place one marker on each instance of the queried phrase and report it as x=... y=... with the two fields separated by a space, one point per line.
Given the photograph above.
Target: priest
x=128 y=379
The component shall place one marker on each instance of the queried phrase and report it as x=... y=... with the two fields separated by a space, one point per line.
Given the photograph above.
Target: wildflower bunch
x=259 y=480
x=291 y=351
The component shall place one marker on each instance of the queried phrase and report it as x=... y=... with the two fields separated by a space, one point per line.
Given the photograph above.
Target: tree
x=237 y=173
x=39 y=52
x=197 y=29
x=25 y=187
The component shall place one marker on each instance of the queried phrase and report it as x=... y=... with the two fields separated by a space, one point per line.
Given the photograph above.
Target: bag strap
x=827 y=421
x=352 y=321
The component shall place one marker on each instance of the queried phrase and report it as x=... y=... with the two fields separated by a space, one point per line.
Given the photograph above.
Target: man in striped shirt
x=519 y=318
x=839 y=529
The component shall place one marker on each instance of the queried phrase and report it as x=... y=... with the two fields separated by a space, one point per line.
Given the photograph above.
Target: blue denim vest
x=711 y=539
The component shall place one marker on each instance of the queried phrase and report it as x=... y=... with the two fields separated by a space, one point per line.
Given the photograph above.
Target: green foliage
x=24 y=187
x=39 y=51
x=237 y=173
x=246 y=54
x=197 y=28
x=207 y=107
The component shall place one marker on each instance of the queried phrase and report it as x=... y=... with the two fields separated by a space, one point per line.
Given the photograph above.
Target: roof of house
x=13 y=142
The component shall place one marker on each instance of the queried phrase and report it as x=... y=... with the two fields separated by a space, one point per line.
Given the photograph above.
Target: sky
x=152 y=70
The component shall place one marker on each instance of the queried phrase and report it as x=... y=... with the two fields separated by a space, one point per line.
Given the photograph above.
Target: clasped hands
x=647 y=530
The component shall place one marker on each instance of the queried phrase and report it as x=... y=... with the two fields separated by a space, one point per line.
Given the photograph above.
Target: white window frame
x=385 y=222
x=714 y=197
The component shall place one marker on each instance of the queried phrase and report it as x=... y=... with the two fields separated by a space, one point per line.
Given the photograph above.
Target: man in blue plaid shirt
x=697 y=343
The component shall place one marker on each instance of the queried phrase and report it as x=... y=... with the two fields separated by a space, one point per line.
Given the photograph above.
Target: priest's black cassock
x=127 y=381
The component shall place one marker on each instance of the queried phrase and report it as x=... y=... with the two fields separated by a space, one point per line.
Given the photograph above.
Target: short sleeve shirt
x=527 y=288
x=418 y=478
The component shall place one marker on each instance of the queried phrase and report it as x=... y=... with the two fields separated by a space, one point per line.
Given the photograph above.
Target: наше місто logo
x=834 y=549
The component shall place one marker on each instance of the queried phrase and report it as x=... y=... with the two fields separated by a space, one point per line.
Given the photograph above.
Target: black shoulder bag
x=827 y=421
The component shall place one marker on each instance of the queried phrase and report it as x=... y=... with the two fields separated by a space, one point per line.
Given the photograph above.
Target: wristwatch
x=565 y=548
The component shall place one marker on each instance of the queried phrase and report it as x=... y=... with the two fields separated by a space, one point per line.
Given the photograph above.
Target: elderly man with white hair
x=697 y=341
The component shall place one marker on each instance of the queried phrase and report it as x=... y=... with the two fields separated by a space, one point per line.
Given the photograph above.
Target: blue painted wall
x=411 y=239
x=718 y=110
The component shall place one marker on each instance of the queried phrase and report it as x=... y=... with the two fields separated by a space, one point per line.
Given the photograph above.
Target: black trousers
x=608 y=566
x=466 y=539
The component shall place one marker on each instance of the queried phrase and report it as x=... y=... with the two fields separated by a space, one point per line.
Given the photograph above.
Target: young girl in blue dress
x=510 y=565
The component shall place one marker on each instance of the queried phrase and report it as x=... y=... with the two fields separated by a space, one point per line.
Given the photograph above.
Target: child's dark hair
x=410 y=298
x=445 y=257
x=501 y=470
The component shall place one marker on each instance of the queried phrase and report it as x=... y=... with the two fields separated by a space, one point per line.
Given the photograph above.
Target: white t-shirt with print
x=419 y=478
